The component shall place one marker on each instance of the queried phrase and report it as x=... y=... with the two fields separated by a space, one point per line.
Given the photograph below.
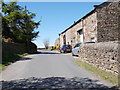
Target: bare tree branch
x=46 y=43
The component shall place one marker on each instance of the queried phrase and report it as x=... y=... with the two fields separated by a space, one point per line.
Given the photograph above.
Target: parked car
x=66 y=48
x=76 y=49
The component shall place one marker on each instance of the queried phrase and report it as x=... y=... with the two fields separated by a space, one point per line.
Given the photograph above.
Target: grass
x=110 y=77
x=8 y=58
x=21 y=55
x=2 y=67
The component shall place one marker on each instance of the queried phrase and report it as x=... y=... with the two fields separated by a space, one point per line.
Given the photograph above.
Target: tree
x=46 y=43
x=18 y=23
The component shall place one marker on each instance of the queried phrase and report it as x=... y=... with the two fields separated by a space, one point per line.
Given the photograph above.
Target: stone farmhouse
x=99 y=25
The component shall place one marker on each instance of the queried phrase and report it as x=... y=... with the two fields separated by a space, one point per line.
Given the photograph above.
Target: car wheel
x=78 y=53
x=73 y=54
x=61 y=51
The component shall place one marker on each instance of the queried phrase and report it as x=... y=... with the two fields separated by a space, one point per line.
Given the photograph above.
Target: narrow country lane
x=50 y=66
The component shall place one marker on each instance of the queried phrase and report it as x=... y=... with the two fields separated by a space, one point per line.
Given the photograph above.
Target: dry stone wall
x=18 y=48
x=103 y=55
x=13 y=48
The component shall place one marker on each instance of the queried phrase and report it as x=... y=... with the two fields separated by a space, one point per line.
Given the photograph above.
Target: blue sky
x=56 y=17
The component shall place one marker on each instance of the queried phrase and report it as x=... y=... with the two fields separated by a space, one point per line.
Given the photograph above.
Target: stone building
x=99 y=25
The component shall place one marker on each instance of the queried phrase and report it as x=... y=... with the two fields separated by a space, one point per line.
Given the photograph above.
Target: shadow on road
x=24 y=58
x=47 y=52
x=54 y=83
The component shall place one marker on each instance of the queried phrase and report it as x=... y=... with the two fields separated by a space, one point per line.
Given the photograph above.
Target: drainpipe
x=83 y=28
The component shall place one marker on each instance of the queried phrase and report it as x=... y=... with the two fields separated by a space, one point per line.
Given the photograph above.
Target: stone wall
x=68 y=36
x=13 y=48
x=107 y=21
x=103 y=55
x=61 y=39
x=71 y=34
x=90 y=28
x=18 y=48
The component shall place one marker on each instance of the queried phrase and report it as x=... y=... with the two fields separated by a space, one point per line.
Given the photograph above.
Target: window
x=77 y=45
x=64 y=39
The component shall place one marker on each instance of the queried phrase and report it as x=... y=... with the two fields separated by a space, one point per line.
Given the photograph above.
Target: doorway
x=80 y=35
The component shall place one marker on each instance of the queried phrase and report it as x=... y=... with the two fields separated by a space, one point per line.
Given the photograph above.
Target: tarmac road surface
x=47 y=64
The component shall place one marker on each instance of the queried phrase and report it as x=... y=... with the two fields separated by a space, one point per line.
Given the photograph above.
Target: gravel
x=53 y=83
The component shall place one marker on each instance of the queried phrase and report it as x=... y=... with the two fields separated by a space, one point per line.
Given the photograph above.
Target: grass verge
x=2 y=67
x=110 y=77
x=8 y=58
x=21 y=55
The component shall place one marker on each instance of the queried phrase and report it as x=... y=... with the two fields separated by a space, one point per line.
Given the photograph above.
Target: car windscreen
x=68 y=46
x=78 y=44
